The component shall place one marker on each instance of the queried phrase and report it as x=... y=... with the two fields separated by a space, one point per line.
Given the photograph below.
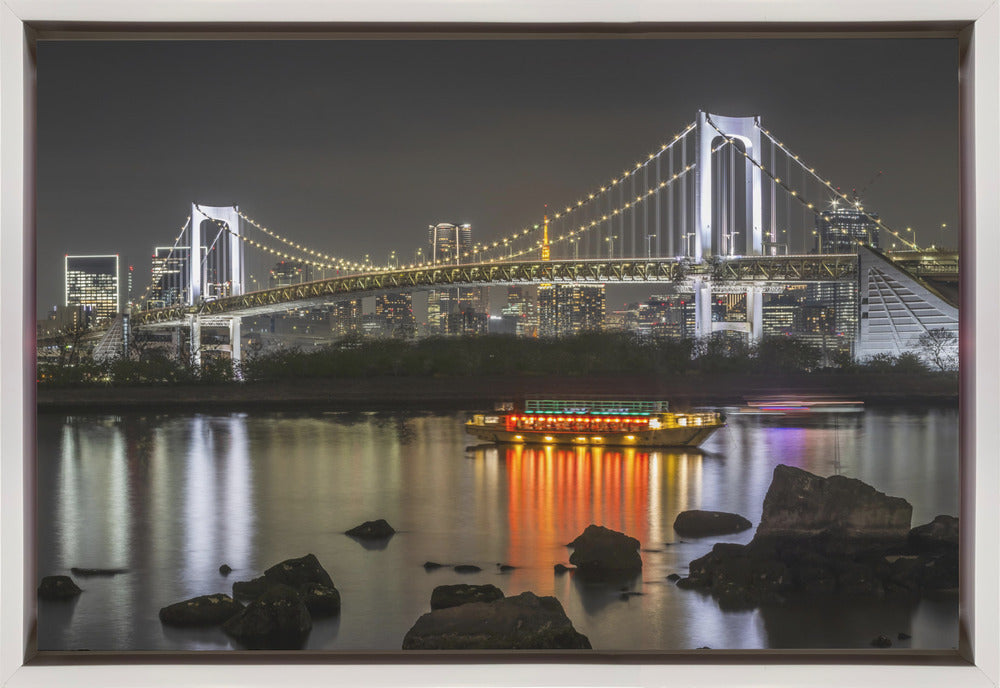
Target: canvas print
x=619 y=345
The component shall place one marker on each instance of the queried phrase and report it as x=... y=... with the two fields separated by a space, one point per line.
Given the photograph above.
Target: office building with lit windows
x=170 y=276
x=394 y=314
x=450 y=243
x=565 y=309
x=92 y=282
x=841 y=230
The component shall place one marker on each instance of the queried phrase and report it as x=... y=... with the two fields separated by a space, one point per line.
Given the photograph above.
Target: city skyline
x=122 y=154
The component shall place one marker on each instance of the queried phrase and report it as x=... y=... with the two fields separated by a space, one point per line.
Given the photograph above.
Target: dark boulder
x=524 y=622
x=57 y=588
x=295 y=573
x=846 y=514
x=320 y=600
x=372 y=530
x=600 y=550
x=467 y=568
x=941 y=534
x=431 y=565
x=504 y=568
x=881 y=641
x=225 y=569
x=445 y=596
x=903 y=636
x=277 y=620
x=207 y=610
x=698 y=523
x=561 y=568
x=674 y=577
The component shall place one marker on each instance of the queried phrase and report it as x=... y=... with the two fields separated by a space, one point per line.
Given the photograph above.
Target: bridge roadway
x=731 y=270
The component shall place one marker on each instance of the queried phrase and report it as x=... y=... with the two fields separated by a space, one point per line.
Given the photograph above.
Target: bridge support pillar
x=194 y=325
x=234 y=346
x=755 y=313
x=702 y=308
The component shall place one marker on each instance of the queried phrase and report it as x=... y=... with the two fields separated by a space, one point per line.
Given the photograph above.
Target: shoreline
x=440 y=393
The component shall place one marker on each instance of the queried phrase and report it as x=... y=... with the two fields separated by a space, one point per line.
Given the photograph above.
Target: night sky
x=354 y=147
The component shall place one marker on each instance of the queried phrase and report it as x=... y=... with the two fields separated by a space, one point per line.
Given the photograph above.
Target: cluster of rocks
x=280 y=606
x=54 y=588
x=479 y=617
x=833 y=535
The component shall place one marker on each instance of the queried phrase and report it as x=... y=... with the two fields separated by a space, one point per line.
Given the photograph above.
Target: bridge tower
x=229 y=268
x=707 y=131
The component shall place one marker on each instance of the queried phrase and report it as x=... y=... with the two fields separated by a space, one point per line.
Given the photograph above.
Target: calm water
x=172 y=497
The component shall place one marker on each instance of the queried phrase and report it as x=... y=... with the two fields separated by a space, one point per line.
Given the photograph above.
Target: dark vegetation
x=485 y=356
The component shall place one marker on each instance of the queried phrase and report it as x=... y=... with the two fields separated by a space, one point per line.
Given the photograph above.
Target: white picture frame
x=980 y=511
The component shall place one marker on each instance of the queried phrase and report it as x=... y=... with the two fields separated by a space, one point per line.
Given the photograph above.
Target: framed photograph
x=373 y=353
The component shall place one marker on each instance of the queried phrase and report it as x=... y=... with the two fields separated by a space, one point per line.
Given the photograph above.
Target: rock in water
x=445 y=596
x=84 y=572
x=277 y=620
x=466 y=568
x=696 y=523
x=320 y=600
x=207 y=610
x=600 y=550
x=292 y=572
x=940 y=535
x=524 y=622
x=561 y=568
x=225 y=569
x=431 y=565
x=57 y=588
x=849 y=514
x=372 y=530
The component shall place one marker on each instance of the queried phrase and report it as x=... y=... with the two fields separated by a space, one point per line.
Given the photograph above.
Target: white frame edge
x=981 y=432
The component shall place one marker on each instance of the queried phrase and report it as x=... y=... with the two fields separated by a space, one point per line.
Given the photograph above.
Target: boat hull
x=664 y=437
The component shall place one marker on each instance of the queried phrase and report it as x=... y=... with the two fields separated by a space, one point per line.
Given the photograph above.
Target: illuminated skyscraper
x=92 y=282
x=170 y=278
x=449 y=242
x=565 y=309
x=840 y=230
x=394 y=313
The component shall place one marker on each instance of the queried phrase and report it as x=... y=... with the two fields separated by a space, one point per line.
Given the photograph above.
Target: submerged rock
x=829 y=536
x=600 y=550
x=320 y=600
x=372 y=530
x=225 y=569
x=524 y=622
x=849 y=515
x=466 y=568
x=57 y=588
x=431 y=565
x=561 y=568
x=277 y=620
x=697 y=523
x=206 y=610
x=445 y=596
x=941 y=534
x=292 y=572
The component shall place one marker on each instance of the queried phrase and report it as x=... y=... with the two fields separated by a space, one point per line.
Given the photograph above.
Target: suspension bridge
x=722 y=204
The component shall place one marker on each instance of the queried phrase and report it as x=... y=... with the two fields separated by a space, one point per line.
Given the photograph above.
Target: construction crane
x=859 y=195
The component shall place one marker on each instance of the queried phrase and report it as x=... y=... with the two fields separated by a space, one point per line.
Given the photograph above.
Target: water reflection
x=172 y=497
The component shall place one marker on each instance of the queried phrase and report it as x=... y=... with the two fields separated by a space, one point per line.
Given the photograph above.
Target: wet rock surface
x=206 y=610
x=295 y=573
x=466 y=568
x=523 y=622
x=277 y=620
x=697 y=523
x=320 y=600
x=372 y=530
x=601 y=551
x=446 y=596
x=832 y=536
x=57 y=588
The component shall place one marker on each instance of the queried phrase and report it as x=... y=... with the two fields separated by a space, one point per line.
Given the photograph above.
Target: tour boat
x=597 y=422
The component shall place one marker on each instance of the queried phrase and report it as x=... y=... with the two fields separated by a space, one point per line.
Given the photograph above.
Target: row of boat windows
x=577 y=424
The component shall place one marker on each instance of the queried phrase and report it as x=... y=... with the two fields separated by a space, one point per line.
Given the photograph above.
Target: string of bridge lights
x=334 y=261
x=614 y=212
x=281 y=254
x=828 y=184
x=590 y=197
